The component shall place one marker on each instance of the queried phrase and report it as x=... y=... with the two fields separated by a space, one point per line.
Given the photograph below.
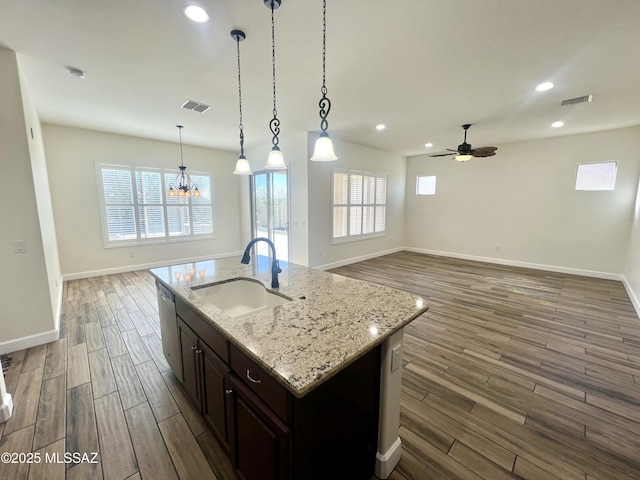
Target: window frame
x=137 y=206
x=613 y=179
x=359 y=236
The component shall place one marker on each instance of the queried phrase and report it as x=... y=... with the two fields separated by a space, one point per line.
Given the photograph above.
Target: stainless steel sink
x=239 y=297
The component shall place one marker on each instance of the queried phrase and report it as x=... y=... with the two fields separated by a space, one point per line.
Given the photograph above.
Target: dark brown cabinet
x=189 y=347
x=216 y=394
x=269 y=433
x=261 y=440
x=205 y=378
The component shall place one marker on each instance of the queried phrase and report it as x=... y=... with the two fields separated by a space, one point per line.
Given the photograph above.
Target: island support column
x=389 y=449
x=6 y=404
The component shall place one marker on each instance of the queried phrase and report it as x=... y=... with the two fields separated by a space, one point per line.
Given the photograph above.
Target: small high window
x=426 y=185
x=596 y=176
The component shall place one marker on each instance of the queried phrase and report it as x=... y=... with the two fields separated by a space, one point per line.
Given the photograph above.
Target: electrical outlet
x=396 y=357
x=497 y=249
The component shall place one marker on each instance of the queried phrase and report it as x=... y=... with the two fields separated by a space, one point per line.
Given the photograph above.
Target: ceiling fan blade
x=443 y=154
x=484 y=151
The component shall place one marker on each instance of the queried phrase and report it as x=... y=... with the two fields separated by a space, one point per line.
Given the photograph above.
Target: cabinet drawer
x=276 y=396
x=203 y=328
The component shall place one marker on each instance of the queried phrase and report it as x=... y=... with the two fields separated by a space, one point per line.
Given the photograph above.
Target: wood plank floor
x=514 y=373
x=105 y=387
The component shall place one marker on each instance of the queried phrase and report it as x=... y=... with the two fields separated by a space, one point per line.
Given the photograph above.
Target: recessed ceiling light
x=76 y=72
x=380 y=127
x=543 y=87
x=557 y=124
x=196 y=13
x=428 y=145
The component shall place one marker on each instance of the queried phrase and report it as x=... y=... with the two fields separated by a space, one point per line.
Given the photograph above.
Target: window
x=359 y=204
x=426 y=185
x=136 y=208
x=596 y=176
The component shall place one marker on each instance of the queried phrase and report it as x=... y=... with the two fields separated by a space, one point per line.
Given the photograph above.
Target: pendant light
x=242 y=165
x=181 y=187
x=275 y=161
x=323 y=150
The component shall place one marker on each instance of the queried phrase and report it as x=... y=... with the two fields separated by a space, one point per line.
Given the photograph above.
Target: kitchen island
x=296 y=389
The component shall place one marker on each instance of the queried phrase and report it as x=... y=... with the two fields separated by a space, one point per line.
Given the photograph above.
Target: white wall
x=72 y=155
x=523 y=201
x=322 y=252
x=27 y=316
x=33 y=131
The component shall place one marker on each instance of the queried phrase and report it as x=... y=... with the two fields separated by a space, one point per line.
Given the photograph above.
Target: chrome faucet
x=275 y=265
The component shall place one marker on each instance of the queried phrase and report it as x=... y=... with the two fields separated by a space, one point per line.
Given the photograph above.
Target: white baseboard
x=144 y=266
x=58 y=314
x=516 y=263
x=30 y=341
x=477 y=258
x=361 y=258
x=632 y=296
x=386 y=462
x=6 y=409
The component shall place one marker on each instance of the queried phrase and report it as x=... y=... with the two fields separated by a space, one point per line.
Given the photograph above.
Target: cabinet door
x=189 y=347
x=215 y=376
x=261 y=442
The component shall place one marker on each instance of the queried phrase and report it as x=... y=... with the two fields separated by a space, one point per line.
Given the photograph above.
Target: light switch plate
x=19 y=246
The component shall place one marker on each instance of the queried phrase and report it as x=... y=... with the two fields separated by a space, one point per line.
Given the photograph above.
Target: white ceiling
x=422 y=67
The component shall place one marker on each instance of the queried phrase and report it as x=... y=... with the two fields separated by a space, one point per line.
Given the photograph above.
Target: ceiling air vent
x=196 y=106
x=575 y=101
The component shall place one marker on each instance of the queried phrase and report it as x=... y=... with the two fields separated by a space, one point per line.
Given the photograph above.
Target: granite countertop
x=330 y=322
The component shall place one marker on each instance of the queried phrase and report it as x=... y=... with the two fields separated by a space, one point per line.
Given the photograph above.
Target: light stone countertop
x=306 y=341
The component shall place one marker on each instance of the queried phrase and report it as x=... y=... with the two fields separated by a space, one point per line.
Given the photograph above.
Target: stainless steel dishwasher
x=169 y=329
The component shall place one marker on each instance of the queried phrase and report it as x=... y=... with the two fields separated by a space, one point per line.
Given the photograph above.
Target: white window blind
x=117 y=188
x=151 y=215
x=359 y=204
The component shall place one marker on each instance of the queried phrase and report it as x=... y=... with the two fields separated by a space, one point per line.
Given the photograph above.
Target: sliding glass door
x=270 y=211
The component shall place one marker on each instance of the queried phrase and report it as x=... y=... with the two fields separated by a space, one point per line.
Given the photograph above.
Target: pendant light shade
x=242 y=165
x=323 y=151
x=180 y=187
x=275 y=160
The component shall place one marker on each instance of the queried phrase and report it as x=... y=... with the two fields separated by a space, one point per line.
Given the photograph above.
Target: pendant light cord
x=325 y=103
x=241 y=126
x=274 y=124
x=324 y=46
x=180 y=133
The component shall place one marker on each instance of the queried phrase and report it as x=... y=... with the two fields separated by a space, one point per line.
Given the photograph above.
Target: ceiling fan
x=465 y=152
